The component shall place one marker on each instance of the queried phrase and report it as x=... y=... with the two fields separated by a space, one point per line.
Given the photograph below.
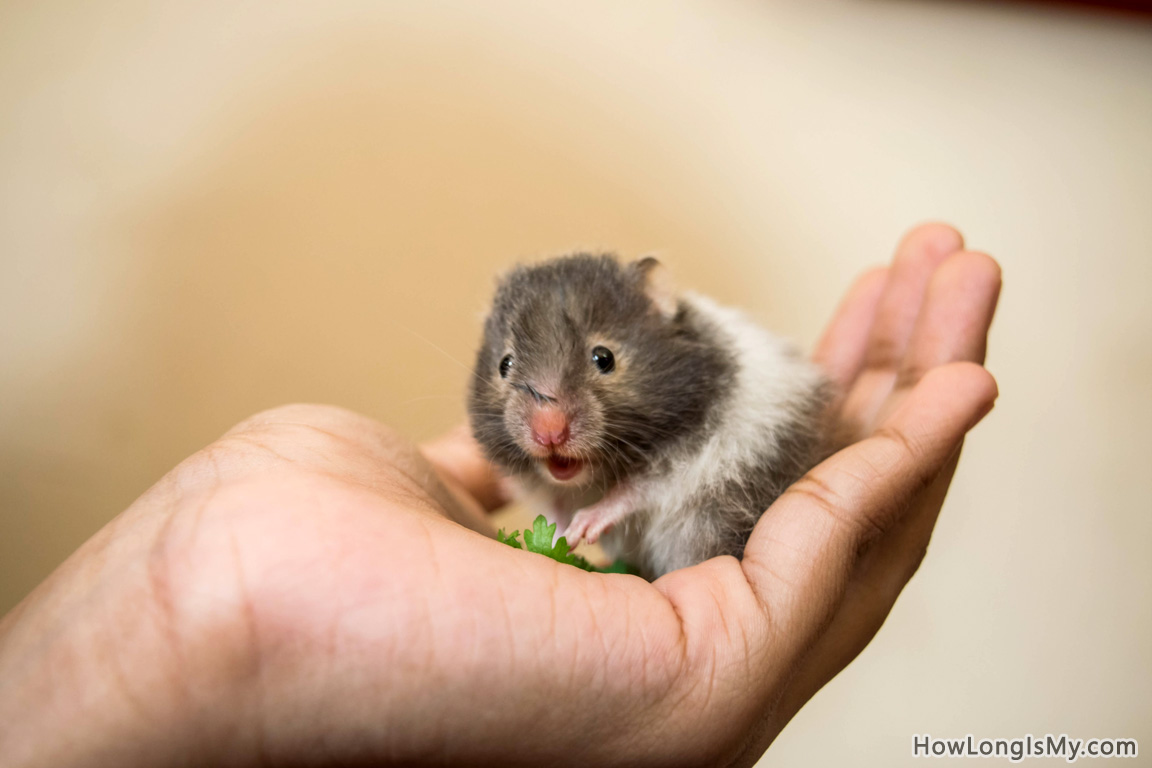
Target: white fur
x=772 y=380
x=773 y=383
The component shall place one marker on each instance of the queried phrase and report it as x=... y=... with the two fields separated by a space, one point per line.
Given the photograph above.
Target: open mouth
x=563 y=468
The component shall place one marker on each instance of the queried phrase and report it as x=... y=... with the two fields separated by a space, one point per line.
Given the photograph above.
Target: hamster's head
x=588 y=368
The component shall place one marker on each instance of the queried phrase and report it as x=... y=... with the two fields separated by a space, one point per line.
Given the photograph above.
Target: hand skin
x=310 y=589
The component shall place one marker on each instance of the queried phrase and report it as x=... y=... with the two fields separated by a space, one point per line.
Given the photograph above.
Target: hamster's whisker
x=444 y=352
x=622 y=420
x=620 y=439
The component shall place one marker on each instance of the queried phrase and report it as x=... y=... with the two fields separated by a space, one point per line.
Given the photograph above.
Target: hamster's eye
x=604 y=359
x=505 y=366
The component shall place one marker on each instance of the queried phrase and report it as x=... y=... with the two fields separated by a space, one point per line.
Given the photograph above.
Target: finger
x=459 y=457
x=801 y=555
x=953 y=326
x=917 y=256
x=841 y=349
x=957 y=313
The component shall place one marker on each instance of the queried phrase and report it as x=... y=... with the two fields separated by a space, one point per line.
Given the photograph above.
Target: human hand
x=312 y=589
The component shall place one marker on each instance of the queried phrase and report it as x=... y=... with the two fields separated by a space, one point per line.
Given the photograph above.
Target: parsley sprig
x=539 y=540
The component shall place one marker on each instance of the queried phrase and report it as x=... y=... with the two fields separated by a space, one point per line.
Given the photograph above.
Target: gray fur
x=707 y=419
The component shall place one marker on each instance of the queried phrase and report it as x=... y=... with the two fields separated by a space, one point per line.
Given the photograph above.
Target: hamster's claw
x=591 y=523
x=578 y=528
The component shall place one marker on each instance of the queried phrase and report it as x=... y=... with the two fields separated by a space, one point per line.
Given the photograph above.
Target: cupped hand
x=311 y=589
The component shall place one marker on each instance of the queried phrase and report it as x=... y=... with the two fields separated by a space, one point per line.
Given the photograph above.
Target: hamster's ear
x=657 y=282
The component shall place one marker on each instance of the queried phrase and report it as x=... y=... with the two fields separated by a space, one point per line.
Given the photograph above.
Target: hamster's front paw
x=593 y=522
x=581 y=527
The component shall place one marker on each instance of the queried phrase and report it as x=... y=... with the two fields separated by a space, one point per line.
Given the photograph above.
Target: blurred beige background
x=211 y=208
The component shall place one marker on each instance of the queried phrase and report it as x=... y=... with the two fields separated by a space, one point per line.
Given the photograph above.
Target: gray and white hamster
x=656 y=421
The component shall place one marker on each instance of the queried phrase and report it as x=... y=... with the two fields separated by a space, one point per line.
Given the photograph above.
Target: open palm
x=313 y=589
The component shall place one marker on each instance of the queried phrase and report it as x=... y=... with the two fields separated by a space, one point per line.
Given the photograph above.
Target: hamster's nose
x=549 y=426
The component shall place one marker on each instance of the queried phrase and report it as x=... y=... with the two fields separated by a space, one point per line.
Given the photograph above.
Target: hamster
x=657 y=422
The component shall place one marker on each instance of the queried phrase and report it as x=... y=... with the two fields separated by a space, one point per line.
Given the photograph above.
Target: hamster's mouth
x=563 y=468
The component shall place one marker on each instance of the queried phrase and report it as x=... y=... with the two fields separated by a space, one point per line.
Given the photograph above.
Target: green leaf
x=619 y=567
x=573 y=558
x=539 y=540
x=511 y=541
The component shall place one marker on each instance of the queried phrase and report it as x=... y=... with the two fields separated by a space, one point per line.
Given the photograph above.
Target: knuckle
x=884 y=351
x=908 y=454
x=899 y=440
x=910 y=374
x=822 y=496
x=818 y=492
